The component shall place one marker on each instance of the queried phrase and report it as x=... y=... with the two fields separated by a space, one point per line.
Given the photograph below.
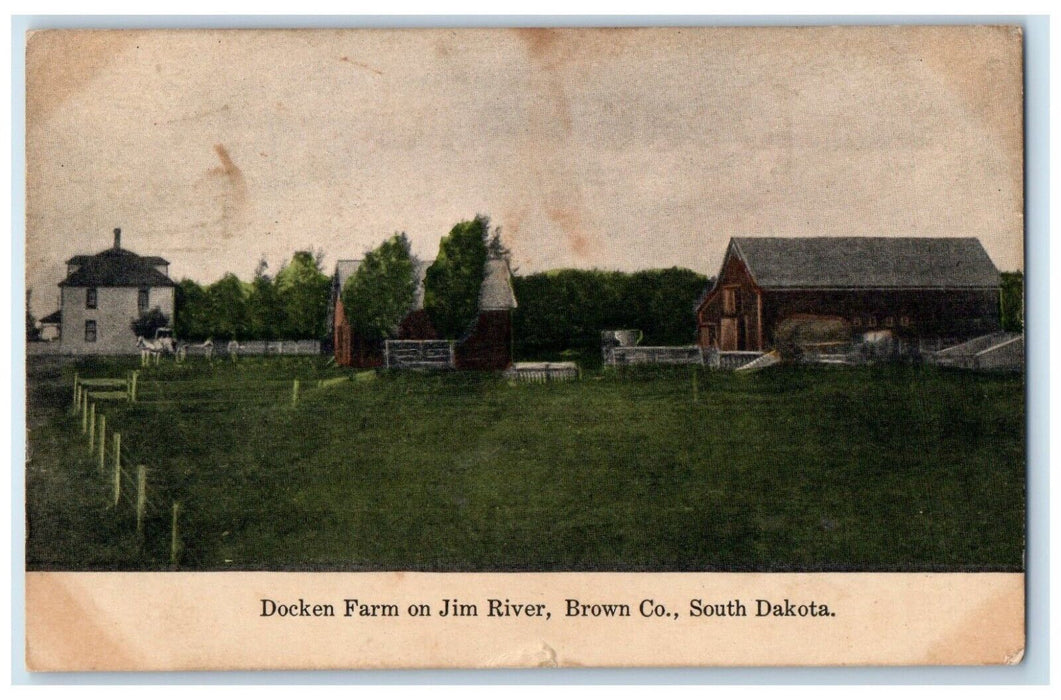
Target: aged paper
x=736 y=378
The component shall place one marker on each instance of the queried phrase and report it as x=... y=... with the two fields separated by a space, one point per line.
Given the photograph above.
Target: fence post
x=91 y=428
x=77 y=395
x=102 y=442
x=84 y=412
x=117 y=474
x=132 y=386
x=174 y=540
x=294 y=393
x=118 y=453
x=141 y=498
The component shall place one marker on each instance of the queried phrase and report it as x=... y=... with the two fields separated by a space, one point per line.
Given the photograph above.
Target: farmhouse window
x=90 y=331
x=90 y=298
x=730 y=300
x=141 y=300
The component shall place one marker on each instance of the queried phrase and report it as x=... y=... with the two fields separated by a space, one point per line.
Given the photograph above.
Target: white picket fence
x=542 y=372
x=269 y=347
x=654 y=355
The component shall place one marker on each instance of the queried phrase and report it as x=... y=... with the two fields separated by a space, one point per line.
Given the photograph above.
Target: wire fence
x=140 y=481
x=126 y=421
x=125 y=485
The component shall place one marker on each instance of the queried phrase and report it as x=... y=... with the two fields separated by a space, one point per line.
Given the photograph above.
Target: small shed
x=488 y=346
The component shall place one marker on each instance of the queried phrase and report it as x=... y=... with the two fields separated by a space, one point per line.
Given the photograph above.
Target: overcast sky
x=617 y=149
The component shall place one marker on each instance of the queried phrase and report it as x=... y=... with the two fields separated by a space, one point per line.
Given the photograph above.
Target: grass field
x=790 y=469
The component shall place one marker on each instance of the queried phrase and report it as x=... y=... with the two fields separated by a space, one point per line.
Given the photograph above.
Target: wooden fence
x=732 y=359
x=419 y=354
x=649 y=355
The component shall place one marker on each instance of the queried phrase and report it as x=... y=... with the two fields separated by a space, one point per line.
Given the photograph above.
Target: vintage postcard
x=524 y=347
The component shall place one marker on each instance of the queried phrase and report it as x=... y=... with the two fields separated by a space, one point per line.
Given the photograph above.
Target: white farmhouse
x=104 y=293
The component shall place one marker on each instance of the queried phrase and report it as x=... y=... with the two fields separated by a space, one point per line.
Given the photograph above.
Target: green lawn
x=790 y=469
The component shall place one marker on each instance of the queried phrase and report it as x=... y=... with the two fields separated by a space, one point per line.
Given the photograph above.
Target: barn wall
x=909 y=313
x=351 y=350
x=417 y=326
x=489 y=346
x=341 y=333
x=740 y=330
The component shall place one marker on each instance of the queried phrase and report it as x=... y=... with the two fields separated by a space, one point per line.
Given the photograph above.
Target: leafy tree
x=1011 y=301
x=451 y=284
x=568 y=309
x=226 y=306
x=192 y=319
x=382 y=290
x=264 y=307
x=149 y=322
x=303 y=292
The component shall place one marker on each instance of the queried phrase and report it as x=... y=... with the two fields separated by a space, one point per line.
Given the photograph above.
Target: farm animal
x=879 y=345
x=153 y=349
x=207 y=348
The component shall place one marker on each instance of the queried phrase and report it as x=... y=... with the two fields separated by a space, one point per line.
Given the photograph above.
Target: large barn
x=918 y=288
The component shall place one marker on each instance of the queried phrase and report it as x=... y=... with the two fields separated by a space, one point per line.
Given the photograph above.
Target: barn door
x=709 y=335
x=728 y=341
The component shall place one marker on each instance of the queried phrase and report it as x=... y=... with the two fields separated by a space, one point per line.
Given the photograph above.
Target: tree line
x=557 y=310
x=290 y=305
x=567 y=309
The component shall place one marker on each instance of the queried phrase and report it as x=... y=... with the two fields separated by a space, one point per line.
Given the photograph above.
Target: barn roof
x=116 y=267
x=867 y=263
x=496 y=292
x=420 y=274
x=345 y=268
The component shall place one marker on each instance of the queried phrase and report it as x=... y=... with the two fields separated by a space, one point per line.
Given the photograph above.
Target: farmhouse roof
x=149 y=259
x=496 y=292
x=867 y=263
x=116 y=267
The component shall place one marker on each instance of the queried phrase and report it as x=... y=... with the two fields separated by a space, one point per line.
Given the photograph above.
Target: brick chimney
x=117 y=238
